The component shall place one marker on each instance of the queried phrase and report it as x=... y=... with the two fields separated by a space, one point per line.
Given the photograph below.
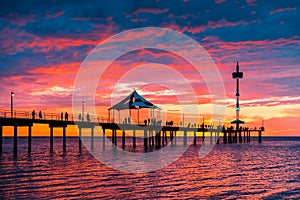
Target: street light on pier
x=82 y=117
x=11 y=104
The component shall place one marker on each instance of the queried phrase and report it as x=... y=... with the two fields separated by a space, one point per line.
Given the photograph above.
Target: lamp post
x=11 y=104
x=82 y=117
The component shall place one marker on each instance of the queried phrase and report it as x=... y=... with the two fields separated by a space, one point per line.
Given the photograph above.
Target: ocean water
x=270 y=170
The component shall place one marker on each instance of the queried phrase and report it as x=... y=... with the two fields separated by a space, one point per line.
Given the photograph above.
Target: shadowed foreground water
x=270 y=170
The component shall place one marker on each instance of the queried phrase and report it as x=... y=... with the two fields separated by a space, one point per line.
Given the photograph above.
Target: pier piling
x=64 y=140
x=79 y=139
x=171 y=138
x=195 y=140
x=259 y=136
x=123 y=139
x=29 y=139
x=184 y=137
x=92 y=138
x=145 y=139
x=103 y=139
x=134 y=139
x=16 y=138
x=224 y=137
x=1 y=138
x=51 y=138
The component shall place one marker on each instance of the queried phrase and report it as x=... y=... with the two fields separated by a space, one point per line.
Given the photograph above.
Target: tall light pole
x=82 y=117
x=11 y=104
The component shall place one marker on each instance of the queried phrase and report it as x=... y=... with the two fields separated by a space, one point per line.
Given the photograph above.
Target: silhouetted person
x=40 y=115
x=125 y=120
x=66 y=116
x=61 y=116
x=33 y=114
x=129 y=120
x=79 y=117
x=145 y=122
x=148 y=121
x=88 y=117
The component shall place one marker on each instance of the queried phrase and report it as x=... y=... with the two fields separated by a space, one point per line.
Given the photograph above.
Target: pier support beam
x=249 y=136
x=163 y=138
x=229 y=137
x=51 y=139
x=145 y=139
x=16 y=138
x=159 y=138
x=29 y=139
x=244 y=136
x=79 y=139
x=123 y=139
x=116 y=142
x=152 y=138
x=240 y=136
x=64 y=140
x=259 y=136
x=92 y=138
x=203 y=137
x=134 y=139
x=184 y=137
x=103 y=139
x=171 y=138
x=1 y=139
x=195 y=140
x=149 y=138
x=224 y=137
x=166 y=138
x=175 y=138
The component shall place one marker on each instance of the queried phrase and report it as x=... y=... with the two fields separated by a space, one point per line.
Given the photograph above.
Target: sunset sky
x=43 y=44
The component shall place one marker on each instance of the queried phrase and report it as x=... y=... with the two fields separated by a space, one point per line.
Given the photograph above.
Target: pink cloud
x=55 y=15
x=279 y=10
x=150 y=10
x=220 y=1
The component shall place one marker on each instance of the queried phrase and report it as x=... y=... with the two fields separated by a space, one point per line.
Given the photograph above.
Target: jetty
x=155 y=134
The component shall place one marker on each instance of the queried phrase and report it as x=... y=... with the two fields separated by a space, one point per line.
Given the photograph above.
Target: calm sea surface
x=270 y=170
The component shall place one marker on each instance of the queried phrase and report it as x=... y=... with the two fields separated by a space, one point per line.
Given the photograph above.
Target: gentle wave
x=270 y=170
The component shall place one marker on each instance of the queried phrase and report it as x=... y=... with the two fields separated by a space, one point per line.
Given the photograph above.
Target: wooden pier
x=154 y=135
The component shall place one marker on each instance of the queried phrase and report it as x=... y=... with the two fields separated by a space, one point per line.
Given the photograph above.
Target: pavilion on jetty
x=155 y=134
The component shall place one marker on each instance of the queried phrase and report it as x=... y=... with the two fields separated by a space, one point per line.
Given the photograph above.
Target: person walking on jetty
x=88 y=117
x=33 y=114
x=66 y=116
x=40 y=115
x=61 y=116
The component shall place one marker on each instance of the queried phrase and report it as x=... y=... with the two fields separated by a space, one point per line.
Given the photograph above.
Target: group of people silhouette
x=40 y=115
x=62 y=116
x=88 y=118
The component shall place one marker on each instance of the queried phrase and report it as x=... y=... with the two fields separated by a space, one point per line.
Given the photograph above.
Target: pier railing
x=22 y=114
